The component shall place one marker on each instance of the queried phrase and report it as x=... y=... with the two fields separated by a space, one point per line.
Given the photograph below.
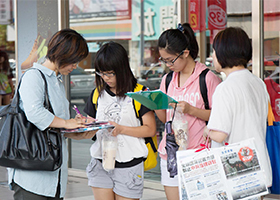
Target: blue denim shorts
x=126 y=182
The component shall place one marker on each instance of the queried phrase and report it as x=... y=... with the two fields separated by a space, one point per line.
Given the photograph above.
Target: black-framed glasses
x=109 y=75
x=172 y=61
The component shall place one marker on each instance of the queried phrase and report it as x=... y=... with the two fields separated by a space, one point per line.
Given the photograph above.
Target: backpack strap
x=167 y=80
x=136 y=104
x=203 y=88
x=95 y=97
x=150 y=140
x=94 y=101
x=137 y=107
x=202 y=85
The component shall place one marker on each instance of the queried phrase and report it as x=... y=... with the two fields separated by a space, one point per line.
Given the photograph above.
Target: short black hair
x=113 y=57
x=67 y=47
x=175 y=41
x=232 y=47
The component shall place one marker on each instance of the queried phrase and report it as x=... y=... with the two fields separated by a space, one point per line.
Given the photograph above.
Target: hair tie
x=180 y=28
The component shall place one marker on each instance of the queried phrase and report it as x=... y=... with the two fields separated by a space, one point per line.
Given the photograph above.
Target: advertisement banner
x=197 y=14
x=217 y=17
x=94 y=10
x=194 y=16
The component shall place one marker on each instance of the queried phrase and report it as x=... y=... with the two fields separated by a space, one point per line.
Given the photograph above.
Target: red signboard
x=197 y=14
x=194 y=17
x=217 y=17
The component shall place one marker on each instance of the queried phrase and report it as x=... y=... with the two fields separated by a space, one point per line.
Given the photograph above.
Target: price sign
x=217 y=17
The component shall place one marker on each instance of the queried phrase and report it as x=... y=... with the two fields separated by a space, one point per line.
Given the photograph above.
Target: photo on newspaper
x=227 y=173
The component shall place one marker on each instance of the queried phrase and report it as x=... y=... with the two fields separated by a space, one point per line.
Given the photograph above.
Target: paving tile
x=77 y=188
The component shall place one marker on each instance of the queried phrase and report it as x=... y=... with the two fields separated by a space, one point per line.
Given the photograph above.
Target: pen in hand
x=77 y=110
x=86 y=119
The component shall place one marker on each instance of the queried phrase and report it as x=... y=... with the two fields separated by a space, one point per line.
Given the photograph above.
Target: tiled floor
x=77 y=188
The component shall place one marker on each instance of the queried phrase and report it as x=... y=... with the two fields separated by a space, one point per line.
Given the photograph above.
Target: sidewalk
x=77 y=188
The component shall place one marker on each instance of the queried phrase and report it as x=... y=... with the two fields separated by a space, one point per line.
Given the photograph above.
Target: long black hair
x=174 y=41
x=113 y=57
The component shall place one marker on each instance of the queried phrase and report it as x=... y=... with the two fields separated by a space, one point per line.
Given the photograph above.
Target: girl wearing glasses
x=178 y=49
x=114 y=78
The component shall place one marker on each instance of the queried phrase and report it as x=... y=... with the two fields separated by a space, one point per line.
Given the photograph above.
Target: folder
x=154 y=100
x=89 y=127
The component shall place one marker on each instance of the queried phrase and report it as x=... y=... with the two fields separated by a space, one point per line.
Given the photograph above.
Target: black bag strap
x=47 y=104
x=202 y=85
x=167 y=80
x=203 y=88
x=150 y=140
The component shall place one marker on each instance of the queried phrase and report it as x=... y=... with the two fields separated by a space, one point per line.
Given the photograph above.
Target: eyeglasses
x=172 y=61
x=109 y=75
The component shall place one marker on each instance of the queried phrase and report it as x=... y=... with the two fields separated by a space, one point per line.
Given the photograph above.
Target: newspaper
x=226 y=173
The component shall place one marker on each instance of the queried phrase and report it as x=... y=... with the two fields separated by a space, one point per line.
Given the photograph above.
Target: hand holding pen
x=80 y=116
x=77 y=110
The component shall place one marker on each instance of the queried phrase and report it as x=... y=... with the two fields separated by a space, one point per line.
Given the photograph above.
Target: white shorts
x=165 y=178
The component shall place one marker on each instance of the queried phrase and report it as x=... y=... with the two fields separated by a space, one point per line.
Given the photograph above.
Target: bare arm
x=68 y=124
x=148 y=129
x=83 y=135
x=80 y=136
x=161 y=114
x=217 y=136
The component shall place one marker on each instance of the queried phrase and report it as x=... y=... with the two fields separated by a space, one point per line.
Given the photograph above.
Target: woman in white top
x=240 y=103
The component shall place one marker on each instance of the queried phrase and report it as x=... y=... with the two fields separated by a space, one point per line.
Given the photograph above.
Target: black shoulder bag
x=22 y=144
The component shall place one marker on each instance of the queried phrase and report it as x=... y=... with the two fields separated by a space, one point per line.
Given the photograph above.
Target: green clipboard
x=154 y=100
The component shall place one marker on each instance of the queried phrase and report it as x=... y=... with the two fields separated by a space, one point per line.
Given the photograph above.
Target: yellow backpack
x=151 y=142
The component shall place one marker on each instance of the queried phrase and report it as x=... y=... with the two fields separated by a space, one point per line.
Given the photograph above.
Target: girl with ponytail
x=178 y=49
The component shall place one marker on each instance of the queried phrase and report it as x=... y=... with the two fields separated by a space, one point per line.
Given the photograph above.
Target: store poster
x=158 y=16
x=99 y=9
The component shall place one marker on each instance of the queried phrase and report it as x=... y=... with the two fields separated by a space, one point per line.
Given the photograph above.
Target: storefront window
x=271 y=53
x=207 y=18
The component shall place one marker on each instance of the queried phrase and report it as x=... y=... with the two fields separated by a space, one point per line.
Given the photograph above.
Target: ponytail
x=174 y=41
